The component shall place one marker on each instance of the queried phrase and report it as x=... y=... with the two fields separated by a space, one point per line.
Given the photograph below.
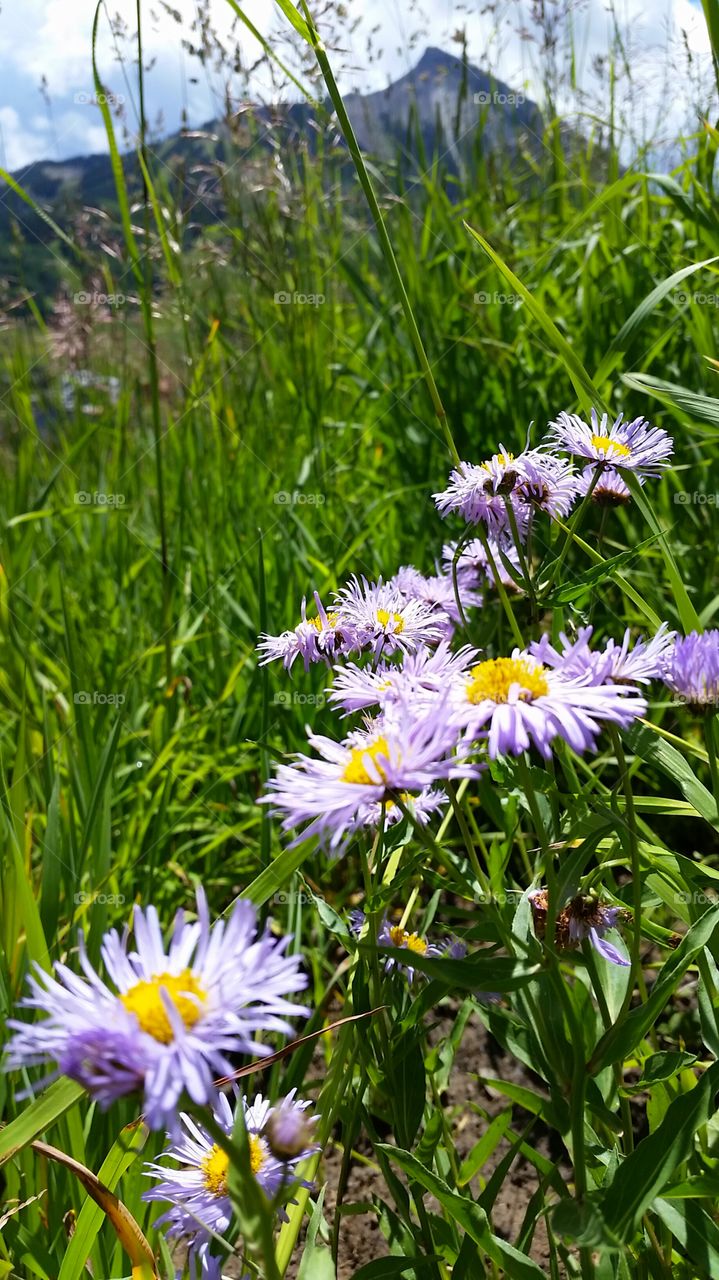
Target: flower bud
x=288 y=1132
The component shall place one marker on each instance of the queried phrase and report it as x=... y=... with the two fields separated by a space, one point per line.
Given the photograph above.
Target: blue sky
x=52 y=38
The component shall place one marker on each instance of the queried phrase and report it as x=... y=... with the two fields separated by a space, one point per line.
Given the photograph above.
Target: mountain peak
x=434 y=59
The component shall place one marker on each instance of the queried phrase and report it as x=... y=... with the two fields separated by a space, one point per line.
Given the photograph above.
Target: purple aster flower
x=478 y=493
x=607 y=486
x=197 y=1192
x=108 y=1062
x=315 y=639
x=584 y=917
x=169 y=1016
x=437 y=592
x=383 y=619
x=403 y=753
x=546 y=484
x=421 y=679
x=423 y=806
x=620 y=663
x=692 y=668
x=517 y=702
x=395 y=935
x=634 y=446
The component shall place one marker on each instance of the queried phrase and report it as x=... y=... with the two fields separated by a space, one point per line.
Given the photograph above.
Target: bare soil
x=361 y=1240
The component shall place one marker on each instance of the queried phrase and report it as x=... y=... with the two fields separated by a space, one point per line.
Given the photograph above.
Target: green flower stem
x=461 y=544
x=146 y=303
x=635 y=974
x=461 y=817
x=607 y=1021
x=501 y=592
x=711 y=741
x=432 y=847
x=564 y=994
x=571 y=531
x=372 y=918
x=524 y=563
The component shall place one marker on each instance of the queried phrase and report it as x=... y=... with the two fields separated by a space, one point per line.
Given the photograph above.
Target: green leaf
x=581 y=1223
x=534 y=1103
x=297 y=22
x=688 y=202
x=642 y=740
x=705 y=408
x=118 y=173
x=36 y=208
x=582 y=582
x=268 y=47
x=39 y=1116
x=467 y=1214
x=687 y=612
x=316 y=1261
x=645 y=1172
x=20 y=910
x=649 y=304
x=623 y=1037
x=406 y=1078
x=704 y=1187
x=711 y=15
x=487 y=1145
x=693 y=1229
x=661 y=1066
x=386 y=1268
x=275 y=877
x=480 y=973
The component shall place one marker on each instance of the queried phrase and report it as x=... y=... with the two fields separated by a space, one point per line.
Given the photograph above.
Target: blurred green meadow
x=250 y=424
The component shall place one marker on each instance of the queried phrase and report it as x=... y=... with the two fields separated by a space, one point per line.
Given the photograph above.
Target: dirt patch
x=360 y=1238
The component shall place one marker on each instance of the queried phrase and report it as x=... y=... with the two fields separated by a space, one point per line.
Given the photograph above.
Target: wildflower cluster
x=164 y=1025
x=280 y=1137
x=433 y=709
x=506 y=491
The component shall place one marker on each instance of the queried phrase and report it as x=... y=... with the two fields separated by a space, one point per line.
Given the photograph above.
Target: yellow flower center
x=258 y=1152
x=604 y=445
x=214 y=1171
x=384 y=618
x=356 y=769
x=318 y=624
x=217 y=1162
x=400 y=938
x=492 y=680
x=504 y=460
x=148 y=1006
